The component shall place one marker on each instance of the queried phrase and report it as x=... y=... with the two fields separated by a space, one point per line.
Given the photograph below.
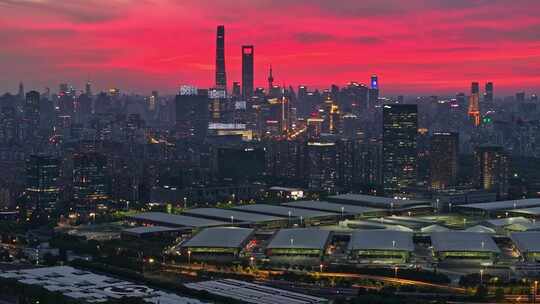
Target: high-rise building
x=31 y=114
x=321 y=165
x=236 y=90
x=270 y=81
x=88 y=89
x=90 y=182
x=247 y=71
x=474 y=104
x=192 y=113
x=21 y=91
x=221 y=75
x=444 y=147
x=373 y=91
x=488 y=94
x=42 y=182
x=491 y=169
x=400 y=127
x=520 y=97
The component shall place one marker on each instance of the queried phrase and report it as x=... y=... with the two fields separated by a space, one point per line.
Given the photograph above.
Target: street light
x=535 y=291
x=232 y=219
x=189 y=257
x=481 y=276
x=252 y=261
x=395 y=272
x=321 y=267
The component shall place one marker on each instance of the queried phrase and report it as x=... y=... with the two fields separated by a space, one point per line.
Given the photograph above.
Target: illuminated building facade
x=492 y=169
x=247 y=71
x=474 y=104
x=443 y=161
x=321 y=166
x=400 y=127
x=42 y=182
x=90 y=176
x=192 y=113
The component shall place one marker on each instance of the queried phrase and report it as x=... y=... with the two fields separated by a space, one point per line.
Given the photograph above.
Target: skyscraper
x=491 y=169
x=90 y=181
x=247 y=71
x=474 y=104
x=42 y=182
x=373 y=91
x=443 y=160
x=221 y=75
x=270 y=80
x=488 y=94
x=192 y=113
x=400 y=127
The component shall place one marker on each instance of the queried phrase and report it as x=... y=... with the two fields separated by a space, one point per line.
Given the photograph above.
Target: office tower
x=488 y=94
x=314 y=127
x=21 y=91
x=31 y=114
x=90 y=182
x=88 y=89
x=153 y=101
x=373 y=91
x=236 y=90
x=367 y=167
x=491 y=169
x=284 y=159
x=520 y=97
x=321 y=165
x=444 y=147
x=400 y=127
x=192 y=113
x=534 y=98
x=42 y=182
x=221 y=75
x=247 y=71
x=351 y=127
x=474 y=104
x=240 y=163
x=270 y=81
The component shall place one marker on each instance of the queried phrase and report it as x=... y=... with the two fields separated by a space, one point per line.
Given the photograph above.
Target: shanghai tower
x=221 y=76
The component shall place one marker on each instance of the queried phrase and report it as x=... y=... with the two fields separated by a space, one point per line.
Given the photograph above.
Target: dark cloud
x=79 y=11
x=314 y=37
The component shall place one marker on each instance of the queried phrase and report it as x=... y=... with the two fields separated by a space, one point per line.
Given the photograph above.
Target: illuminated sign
x=215 y=93
x=240 y=105
x=188 y=90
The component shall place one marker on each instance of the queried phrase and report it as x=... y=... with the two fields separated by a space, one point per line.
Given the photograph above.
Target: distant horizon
x=416 y=47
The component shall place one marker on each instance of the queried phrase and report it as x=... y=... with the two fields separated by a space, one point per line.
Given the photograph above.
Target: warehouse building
x=390 y=204
x=173 y=220
x=346 y=211
x=294 y=216
x=498 y=208
x=528 y=245
x=298 y=246
x=254 y=293
x=381 y=246
x=87 y=287
x=147 y=232
x=221 y=244
x=238 y=218
x=464 y=247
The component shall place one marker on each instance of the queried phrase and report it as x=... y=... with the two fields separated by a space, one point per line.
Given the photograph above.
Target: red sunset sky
x=415 y=46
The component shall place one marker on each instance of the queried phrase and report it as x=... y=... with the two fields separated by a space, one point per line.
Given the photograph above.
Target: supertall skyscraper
x=221 y=75
x=373 y=91
x=400 y=127
x=247 y=70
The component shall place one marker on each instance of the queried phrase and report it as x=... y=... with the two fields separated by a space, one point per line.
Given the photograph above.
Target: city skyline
x=438 y=47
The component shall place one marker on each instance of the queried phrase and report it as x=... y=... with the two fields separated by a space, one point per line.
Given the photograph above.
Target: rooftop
x=284 y=211
x=90 y=287
x=332 y=207
x=254 y=293
x=303 y=238
x=375 y=201
x=506 y=221
x=232 y=215
x=463 y=241
x=527 y=211
x=526 y=241
x=149 y=229
x=220 y=237
x=504 y=205
x=176 y=220
x=381 y=240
